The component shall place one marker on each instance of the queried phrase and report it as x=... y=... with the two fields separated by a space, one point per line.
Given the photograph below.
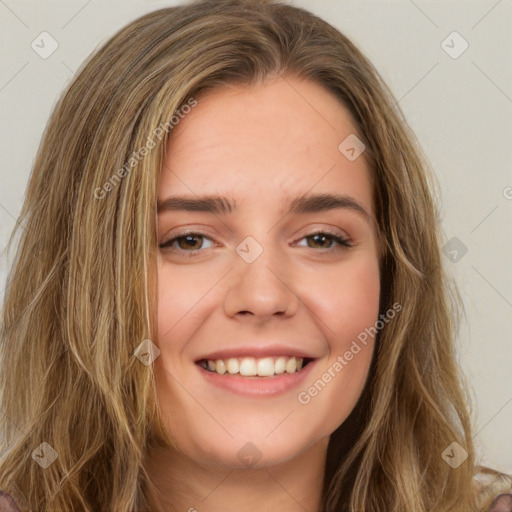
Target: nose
x=261 y=289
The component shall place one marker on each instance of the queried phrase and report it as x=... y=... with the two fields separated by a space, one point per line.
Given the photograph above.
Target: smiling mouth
x=255 y=367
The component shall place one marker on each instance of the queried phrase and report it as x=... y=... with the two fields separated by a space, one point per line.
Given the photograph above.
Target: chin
x=244 y=451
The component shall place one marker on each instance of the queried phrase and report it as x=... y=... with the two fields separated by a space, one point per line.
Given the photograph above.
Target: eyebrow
x=303 y=204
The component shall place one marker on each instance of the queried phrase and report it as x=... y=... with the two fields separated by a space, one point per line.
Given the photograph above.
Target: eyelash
x=344 y=243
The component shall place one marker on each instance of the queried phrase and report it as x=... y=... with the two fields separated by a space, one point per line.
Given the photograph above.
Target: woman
x=146 y=371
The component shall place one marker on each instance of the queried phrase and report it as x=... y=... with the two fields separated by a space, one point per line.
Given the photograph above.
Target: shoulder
x=7 y=503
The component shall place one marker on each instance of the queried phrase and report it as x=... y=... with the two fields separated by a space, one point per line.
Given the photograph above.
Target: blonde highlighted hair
x=81 y=292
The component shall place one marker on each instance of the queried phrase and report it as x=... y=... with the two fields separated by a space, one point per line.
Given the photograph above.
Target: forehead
x=271 y=140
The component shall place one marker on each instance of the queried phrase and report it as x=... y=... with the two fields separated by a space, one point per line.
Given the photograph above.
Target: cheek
x=180 y=291
x=347 y=305
x=348 y=299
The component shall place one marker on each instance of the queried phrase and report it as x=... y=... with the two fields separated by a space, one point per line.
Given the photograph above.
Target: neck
x=184 y=484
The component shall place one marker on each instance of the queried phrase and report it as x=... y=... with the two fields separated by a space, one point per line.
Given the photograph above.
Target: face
x=259 y=278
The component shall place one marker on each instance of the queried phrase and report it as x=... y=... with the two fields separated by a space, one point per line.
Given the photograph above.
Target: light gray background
x=460 y=109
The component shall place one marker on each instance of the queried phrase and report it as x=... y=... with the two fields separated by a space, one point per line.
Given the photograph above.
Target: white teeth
x=219 y=367
x=248 y=366
x=265 y=367
x=280 y=365
x=252 y=367
x=233 y=366
x=291 y=365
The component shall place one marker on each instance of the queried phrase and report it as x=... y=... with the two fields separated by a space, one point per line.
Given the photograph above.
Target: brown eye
x=189 y=242
x=321 y=240
x=186 y=243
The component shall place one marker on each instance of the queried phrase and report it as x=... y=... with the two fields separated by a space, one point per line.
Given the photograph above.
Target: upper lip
x=257 y=352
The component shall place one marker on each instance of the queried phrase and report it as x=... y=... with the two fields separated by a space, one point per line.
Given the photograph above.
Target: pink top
x=7 y=503
x=502 y=503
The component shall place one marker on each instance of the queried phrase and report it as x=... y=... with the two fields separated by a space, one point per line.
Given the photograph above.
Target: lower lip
x=258 y=386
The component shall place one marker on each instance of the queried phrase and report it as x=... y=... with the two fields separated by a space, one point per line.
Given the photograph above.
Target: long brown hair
x=81 y=293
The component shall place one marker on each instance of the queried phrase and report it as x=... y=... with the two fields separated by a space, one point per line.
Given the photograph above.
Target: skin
x=261 y=146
